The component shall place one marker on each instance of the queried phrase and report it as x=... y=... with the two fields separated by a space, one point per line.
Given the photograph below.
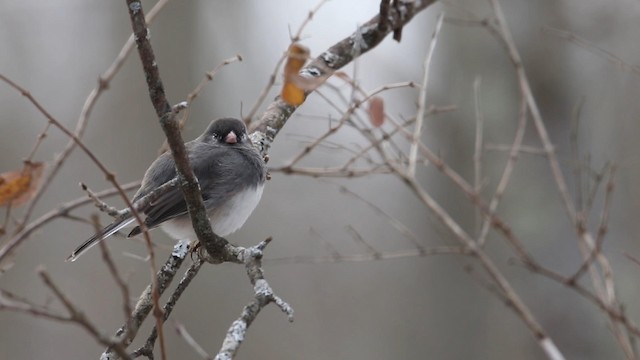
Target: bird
x=231 y=173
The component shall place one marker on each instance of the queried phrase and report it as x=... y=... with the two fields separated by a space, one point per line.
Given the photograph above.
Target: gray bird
x=231 y=174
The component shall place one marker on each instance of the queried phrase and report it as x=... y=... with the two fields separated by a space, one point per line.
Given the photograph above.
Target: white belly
x=224 y=220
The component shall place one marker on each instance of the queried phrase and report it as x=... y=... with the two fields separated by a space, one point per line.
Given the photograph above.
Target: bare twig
x=182 y=331
x=101 y=205
x=422 y=98
x=78 y=317
x=508 y=170
x=602 y=229
x=12 y=302
x=531 y=150
x=113 y=270
x=398 y=225
x=343 y=120
x=479 y=144
x=575 y=155
x=585 y=44
x=340 y=258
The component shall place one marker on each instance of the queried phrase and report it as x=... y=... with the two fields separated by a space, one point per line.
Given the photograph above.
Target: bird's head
x=226 y=131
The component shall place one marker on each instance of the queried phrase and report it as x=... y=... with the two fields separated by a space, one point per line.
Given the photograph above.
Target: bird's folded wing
x=166 y=207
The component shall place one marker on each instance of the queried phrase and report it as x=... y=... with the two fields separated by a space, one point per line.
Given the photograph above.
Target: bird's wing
x=171 y=204
x=168 y=206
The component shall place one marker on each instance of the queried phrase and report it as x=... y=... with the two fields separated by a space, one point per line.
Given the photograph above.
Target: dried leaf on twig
x=293 y=88
x=19 y=186
x=376 y=111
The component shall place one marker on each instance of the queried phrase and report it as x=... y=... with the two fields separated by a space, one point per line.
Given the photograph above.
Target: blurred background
x=413 y=307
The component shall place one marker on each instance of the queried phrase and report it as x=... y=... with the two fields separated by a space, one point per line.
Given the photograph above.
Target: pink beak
x=231 y=138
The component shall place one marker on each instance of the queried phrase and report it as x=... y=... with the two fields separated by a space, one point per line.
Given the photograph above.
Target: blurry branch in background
x=589 y=46
x=77 y=316
x=14 y=303
x=594 y=261
x=399 y=164
x=602 y=277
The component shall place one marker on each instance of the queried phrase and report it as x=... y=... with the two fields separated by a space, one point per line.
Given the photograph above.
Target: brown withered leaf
x=376 y=111
x=292 y=93
x=19 y=186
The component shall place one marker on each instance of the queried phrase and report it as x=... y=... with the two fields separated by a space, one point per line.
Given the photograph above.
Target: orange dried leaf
x=19 y=186
x=292 y=92
x=376 y=111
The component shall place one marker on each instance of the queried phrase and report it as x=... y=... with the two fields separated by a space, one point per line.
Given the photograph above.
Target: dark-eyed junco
x=231 y=174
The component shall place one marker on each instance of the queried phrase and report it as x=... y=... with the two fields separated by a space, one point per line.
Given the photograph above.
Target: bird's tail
x=105 y=233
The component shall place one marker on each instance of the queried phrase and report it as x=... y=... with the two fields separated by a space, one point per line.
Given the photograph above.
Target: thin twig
x=182 y=331
x=355 y=235
x=422 y=98
x=575 y=155
x=340 y=258
x=101 y=205
x=479 y=144
x=78 y=317
x=602 y=228
x=343 y=120
x=585 y=44
x=508 y=170
x=115 y=274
